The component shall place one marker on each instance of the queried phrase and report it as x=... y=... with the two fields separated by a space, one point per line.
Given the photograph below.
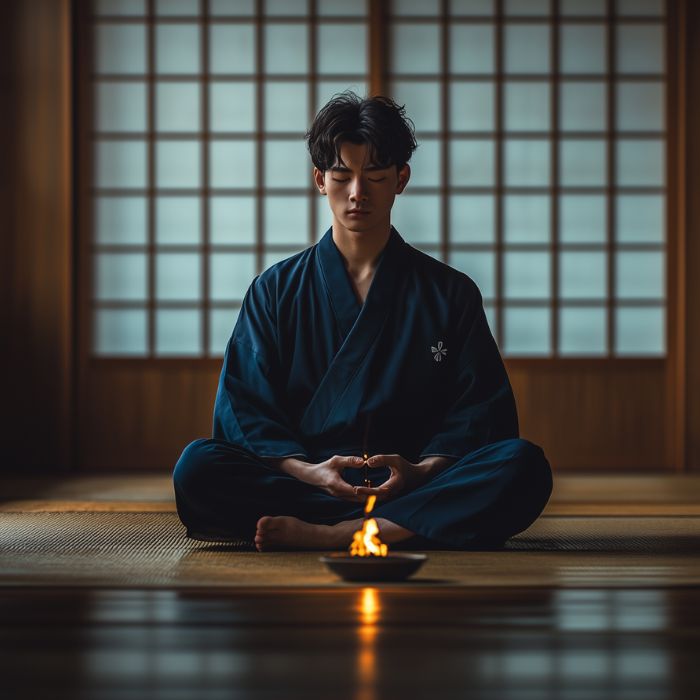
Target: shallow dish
x=393 y=567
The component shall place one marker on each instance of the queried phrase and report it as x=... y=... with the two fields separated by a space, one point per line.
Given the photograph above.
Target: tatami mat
x=149 y=549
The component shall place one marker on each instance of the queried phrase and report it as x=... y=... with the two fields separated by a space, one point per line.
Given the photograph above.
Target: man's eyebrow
x=369 y=168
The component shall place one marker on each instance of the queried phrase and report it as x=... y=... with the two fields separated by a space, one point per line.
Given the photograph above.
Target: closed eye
x=379 y=179
x=341 y=179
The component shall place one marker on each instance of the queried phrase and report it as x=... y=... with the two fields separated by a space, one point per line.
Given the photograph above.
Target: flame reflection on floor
x=369 y=609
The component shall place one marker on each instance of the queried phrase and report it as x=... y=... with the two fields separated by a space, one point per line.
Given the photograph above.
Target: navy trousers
x=478 y=502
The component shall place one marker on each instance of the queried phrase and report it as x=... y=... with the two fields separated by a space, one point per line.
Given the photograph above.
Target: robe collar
x=346 y=306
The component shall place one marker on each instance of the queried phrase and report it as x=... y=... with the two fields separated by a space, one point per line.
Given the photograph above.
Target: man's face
x=360 y=193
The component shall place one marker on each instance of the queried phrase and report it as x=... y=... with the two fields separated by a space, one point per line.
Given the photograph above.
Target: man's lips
x=358 y=211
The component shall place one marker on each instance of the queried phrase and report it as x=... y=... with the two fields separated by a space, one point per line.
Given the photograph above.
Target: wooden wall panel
x=141 y=416
x=608 y=417
x=36 y=257
x=692 y=252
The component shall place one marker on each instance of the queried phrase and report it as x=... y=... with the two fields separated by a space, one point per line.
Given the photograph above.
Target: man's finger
x=354 y=462
x=383 y=461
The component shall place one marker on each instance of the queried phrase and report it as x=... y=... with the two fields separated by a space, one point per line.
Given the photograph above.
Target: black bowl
x=393 y=567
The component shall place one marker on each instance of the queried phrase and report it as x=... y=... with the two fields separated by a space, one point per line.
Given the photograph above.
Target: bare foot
x=287 y=532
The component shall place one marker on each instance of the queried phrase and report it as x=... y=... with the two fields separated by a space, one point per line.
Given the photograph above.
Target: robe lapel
x=340 y=391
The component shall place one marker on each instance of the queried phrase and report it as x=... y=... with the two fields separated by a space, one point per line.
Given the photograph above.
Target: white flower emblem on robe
x=438 y=352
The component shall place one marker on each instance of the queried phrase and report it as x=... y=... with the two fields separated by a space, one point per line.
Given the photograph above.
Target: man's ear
x=404 y=177
x=320 y=180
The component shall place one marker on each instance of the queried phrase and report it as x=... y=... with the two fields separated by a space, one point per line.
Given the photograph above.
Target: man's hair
x=377 y=121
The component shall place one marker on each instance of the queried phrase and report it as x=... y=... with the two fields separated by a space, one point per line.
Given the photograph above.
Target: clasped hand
x=404 y=476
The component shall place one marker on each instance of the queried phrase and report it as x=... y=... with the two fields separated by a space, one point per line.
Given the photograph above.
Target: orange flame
x=366 y=542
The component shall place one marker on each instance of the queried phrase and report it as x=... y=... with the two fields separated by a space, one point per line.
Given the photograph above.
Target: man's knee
x=192 y=465
x=528 y=462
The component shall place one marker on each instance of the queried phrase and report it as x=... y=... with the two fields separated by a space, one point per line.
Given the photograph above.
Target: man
x=362 y=343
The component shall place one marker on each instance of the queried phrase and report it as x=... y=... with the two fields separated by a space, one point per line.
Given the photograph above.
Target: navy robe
x=311 y=372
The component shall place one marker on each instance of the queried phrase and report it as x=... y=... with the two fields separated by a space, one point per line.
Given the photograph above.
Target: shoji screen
x=201 y=177
x=541 y=166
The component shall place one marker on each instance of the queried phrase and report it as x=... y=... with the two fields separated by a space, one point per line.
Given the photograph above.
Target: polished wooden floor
x=364 y=643
x=360 y=643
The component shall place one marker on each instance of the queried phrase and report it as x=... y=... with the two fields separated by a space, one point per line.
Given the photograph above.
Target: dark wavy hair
x=377 y=121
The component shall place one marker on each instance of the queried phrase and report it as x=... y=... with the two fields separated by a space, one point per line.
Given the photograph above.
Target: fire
x=366 y=542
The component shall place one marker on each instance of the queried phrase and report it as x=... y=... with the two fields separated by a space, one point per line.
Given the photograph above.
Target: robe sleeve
x=249 y=408
x=483 y=408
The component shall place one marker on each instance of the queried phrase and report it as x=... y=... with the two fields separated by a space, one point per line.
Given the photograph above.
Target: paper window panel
x=232 y=49
x=120 y=332
x=178 y=276
x=232 y=106
x=120 y=276
x=120 y=7
x=472 y=106
x=286 y=106
x=120 y=48
x=287 y=164
x=527 y=218
x=175 y=8
x=640 y=106
x=342 y=49
x=120 y=164
x=415 y=48
x=178 y=221
x=527 y=162
x=527 y=330
x=582 y=163
x=286 y=49
x=178 y=107
x=221 y=325
x=120 y=220
x=230 y=275
x=232 y=8
x=583 y=275
x=640 y=331
x=472 y=48
x=527 y=8
x=232 y=220
x=526 y=106
x=582 y=218
x=583 y=8
x=527 y=48
x=472 y=162
x=286 y=220
x=583 y=49
x=178 y=164
x=418 y=217
x=288 y=8
x=177 y=49
x=120 y=106
x=527 y=275
x=426 y=164
x=467 y=8
x=480 y=266
x=640 y=162
x=472 y=218
x=582 y=106
x=422 y=102
x=582 y=331
x=178 y=332
x=232 y=164
x=640 y=218
x=640 y=275
x=640 y=48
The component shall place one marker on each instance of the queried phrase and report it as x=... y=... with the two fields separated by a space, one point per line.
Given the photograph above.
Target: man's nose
x=358 y=191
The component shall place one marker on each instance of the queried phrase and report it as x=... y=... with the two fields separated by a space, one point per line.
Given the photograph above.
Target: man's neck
x=361 y=250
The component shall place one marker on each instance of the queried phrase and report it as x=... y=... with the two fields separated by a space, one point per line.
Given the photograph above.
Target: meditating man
x=362 y=344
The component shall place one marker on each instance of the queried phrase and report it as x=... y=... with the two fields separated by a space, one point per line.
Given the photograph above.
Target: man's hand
x=405 y=476
x=326 y=475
